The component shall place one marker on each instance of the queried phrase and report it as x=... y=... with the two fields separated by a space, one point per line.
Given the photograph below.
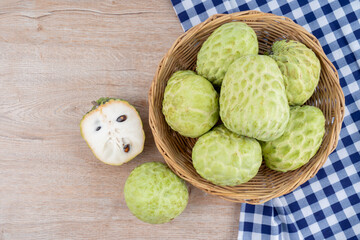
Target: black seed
x=121 y=118
x=127 y=148
x=98 y=128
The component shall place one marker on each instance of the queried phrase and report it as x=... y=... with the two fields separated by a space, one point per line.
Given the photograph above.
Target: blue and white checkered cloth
x=328 y=205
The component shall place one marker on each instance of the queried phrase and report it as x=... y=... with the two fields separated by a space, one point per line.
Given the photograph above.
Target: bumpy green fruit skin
x=191 y=104
x=252 y=98
x=154 y=194
x=225 y=158
x=300 y=68
x=300 y=141
x=226 y=44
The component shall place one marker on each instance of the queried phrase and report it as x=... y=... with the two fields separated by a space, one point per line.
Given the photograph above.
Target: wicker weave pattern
x=267 y=184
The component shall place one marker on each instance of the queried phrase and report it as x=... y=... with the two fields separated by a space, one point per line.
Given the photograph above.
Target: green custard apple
x=299 y=143
x=225 y=158
x=252 y=98
x=154 y=194
x=191 y=104
x=226 y=44
x=300 y=68
x=113 y=130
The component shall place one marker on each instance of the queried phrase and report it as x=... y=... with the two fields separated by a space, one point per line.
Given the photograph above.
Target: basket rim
x=224 y=192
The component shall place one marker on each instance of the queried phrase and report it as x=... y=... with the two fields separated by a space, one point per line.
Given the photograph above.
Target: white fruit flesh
x=114 y=142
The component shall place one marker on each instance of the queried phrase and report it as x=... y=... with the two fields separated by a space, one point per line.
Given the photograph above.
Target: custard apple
x=191 y=104
x=226 y=44
x=154 y=194
x=252 y=98
x=300 y=68
x=113 y=130
x=225 y=158
x=299 y=143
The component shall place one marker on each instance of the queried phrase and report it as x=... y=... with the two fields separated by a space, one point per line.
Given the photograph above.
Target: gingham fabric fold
x=328 y=205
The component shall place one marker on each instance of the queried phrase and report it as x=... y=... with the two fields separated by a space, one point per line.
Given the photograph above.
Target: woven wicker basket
x=267 y=184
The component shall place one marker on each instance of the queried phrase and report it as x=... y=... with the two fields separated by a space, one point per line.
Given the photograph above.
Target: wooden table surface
x=55 y=58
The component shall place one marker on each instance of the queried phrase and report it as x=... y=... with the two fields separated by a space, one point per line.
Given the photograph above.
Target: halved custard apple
x=113 y=130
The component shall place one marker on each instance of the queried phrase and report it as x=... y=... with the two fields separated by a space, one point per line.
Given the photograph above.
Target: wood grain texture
x=55 y=58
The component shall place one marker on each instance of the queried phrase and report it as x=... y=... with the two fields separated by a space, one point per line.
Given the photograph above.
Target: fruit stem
x=95 y=103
